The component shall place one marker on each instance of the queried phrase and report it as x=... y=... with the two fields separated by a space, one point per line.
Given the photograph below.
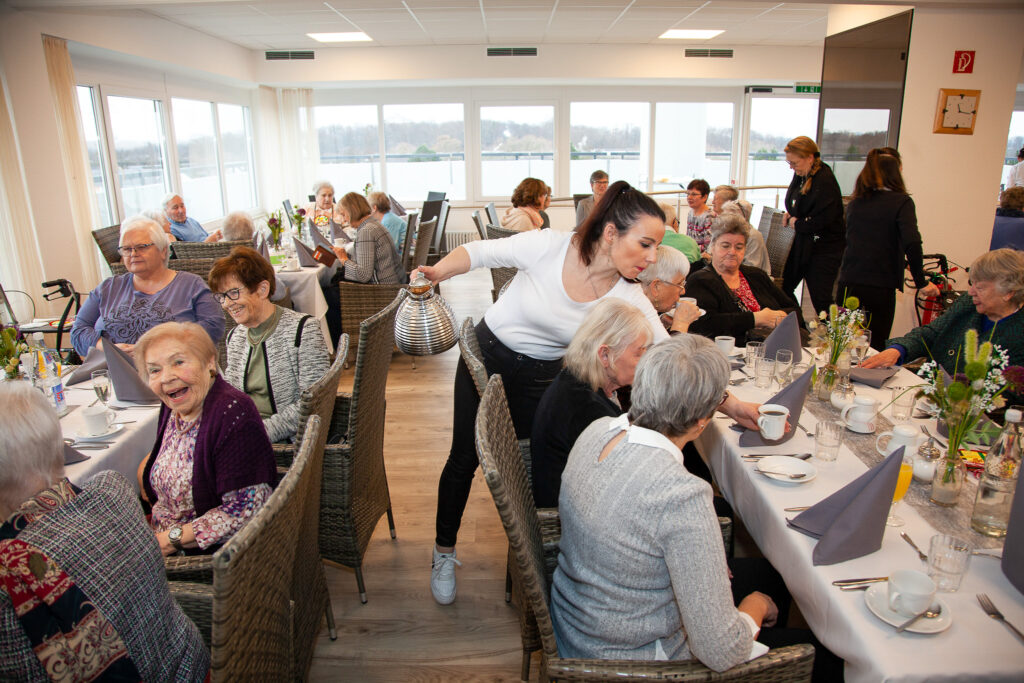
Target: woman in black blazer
x=814 y=208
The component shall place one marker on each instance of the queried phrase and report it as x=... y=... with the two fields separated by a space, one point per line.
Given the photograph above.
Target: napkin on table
x=786 y=335
x=264 y=250
x=95 y=360
x=873 y=377
x=127 y=384
x=73 y=455
x=851 y=522
x=338 y=232
x=792 y=397
x=1013 y=548
x=319 y=240
x=305 y=254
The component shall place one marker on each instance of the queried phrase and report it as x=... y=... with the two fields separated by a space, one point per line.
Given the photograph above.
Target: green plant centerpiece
x=11 y=348
x=831 y=335
x=275 y=223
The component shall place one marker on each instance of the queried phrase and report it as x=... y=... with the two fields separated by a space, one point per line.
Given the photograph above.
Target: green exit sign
x=807 y=88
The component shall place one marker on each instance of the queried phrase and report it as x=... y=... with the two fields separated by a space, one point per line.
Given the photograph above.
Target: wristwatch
x=174 y=536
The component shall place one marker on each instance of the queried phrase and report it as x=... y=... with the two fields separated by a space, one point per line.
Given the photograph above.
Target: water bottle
x=48 y=373
x=995 y=490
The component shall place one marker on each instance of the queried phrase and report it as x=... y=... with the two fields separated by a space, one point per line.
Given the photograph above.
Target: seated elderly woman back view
x=275 y=353
x=102 y=608
x=237 y=227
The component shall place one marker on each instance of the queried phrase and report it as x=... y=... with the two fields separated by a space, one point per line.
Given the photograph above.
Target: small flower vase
x=948 y=479
x=825 y=381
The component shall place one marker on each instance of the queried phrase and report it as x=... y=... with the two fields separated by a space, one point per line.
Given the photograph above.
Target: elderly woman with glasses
x=107 y=612
x=123 y=307
x=698 y=223
x=275 y=353
x=663 y=283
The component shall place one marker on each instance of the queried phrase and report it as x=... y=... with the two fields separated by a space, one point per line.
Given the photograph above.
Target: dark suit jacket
x=724 y=316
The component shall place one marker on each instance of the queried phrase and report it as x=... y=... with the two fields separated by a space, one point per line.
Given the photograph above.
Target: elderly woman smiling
x=274 y=353
x=992 y=307
x=104 y=583
x=123 y=307
x=737 y=298
x=211 y=467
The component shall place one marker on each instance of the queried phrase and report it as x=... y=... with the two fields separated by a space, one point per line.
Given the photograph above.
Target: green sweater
x=683 y=243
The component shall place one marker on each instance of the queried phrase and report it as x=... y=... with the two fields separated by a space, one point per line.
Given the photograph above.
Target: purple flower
x=1014 y=376
x=961 y=377
x=302 y=212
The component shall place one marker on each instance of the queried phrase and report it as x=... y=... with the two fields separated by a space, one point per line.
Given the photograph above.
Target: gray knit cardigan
x=291 y=368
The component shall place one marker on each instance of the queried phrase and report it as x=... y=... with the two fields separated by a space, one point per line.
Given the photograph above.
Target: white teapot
x=859 y=416
x=901 y=435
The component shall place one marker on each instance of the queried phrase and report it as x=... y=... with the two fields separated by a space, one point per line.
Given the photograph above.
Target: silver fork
x=992 y=611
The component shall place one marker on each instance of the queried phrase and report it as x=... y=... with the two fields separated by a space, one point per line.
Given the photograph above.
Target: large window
x=515 y=143
x=611 y=136
x=95 y=150
x=692 y=140
x=846 y=138
x=1014 y=142
x=774 y=121
x=140 y=151
x=425 y=150
x=349 y=146
x=196 y=139
x=237 y=156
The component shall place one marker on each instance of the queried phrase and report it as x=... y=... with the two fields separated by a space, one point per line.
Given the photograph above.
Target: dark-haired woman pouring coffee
x=814 y=208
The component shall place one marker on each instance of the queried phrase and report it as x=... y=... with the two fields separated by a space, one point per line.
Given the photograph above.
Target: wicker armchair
x=779 y=242
x=411 y=225
x=479 y=223
x=199 y=250
x=355 y=486
x=506 y=477
x=359 y=302
x=246 y=614
x=424 y=237
x=196 y=266
x=107 y=239
x=500 y=277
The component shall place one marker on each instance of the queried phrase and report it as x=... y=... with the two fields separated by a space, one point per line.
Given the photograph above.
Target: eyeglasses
x=681 y=287
x=694 y=193
x=128 y=250
x=231 y=294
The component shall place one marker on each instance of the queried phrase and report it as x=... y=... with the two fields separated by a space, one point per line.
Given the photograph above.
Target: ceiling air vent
x=708 y=52
x=273 y=55
x=511 y=52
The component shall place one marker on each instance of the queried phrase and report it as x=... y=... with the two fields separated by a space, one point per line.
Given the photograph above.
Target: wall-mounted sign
x=807 y=88
x=963 y=62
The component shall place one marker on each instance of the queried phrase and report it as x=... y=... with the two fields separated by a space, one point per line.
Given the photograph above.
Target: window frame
x=477 y=167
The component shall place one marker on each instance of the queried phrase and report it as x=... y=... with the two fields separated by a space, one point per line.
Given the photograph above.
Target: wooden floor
x=401 y=634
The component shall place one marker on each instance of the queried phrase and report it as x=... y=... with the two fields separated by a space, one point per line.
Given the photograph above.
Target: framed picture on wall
x=956 y=111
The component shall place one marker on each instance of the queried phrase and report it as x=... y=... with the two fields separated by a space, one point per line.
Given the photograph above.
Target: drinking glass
x=764 y=370
x=101 y=385
x=902 y=484
x=948 y=558
x=783 y=366
x=828 y=437
x=755 y=350
x=859 y=347
x=903 y=403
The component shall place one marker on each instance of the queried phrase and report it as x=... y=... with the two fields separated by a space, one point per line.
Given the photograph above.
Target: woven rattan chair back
x=424 y=236
x=196 y=266
x=500 y=277
x=764 y=225
x=492 y=214
x=779 y=242
x=411 y=225
x=496 y=232
x=359 y=302
x=480 y=226
x=251 y=632
x=469 y=347
x=107 y=239
x=214 y=250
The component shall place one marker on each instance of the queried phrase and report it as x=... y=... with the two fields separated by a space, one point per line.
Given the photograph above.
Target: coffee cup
x=97 y=419
x=688 y=299
x=901 y=435
x=772 y=421
x=339 y=242
x=910 y=592
x=859 y=416
x=292 y=263
x=726 y=344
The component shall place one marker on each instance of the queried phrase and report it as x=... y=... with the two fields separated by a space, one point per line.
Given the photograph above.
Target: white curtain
x=72 y=148
x=288 y=147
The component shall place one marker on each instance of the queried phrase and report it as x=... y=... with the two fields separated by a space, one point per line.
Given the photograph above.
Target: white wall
x=844 y=17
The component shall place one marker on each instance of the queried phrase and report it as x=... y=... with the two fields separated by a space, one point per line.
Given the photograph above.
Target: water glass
x=755 y=350
x=101 y=385
x=783 y=366
x=828 y=437
x=764 y=370
x=903 y=401
x=859 y=347
x=948 y=558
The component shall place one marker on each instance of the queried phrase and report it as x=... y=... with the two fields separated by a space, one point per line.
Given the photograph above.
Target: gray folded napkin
x=127 y=384
x=256 y=240
x=73 y=455
x=396 y=208
x=264 y=250
x=304 y=253
x=792 y=397
x=1013 y=547
x=338 y=232
x=95 y=360
x=873 y=377
x=851 y=522
x=786 y=335
x=318 y=238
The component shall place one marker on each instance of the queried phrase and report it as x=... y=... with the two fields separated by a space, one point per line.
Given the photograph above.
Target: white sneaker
x=442 y=577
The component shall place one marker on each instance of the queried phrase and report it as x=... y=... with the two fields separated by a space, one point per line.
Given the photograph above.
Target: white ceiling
x=282 y=24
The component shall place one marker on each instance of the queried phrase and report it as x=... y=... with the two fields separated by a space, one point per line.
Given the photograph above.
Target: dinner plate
x=86 y=438
x=781 y=463
x=877 y=600
x=285 y=269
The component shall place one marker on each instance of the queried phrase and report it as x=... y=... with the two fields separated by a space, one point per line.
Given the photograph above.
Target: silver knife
x=851 y=582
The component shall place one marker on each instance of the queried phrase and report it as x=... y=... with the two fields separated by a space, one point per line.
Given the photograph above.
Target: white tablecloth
x=127 y=449
x=975 y=647
x=307 y=297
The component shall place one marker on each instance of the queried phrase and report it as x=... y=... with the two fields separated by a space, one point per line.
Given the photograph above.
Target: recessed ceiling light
x=690 y=34
x=350 y=37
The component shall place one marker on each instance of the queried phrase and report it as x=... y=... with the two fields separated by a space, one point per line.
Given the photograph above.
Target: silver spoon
x=908 y=539
x=930 y=613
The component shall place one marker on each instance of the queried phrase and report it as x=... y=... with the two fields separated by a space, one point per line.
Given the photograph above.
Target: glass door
x=774 y=118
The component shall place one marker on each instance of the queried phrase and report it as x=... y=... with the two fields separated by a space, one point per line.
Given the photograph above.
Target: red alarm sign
x=963 y=62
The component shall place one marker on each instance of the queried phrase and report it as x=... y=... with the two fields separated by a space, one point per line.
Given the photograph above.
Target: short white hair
x=670 y=213
x=321 y=184
x=155 y=231
x=238 y=226
x=679 y=381
x=740 y=206
x=670 y=263
x=157 y=215
x=33 y=450
x=731 y=223
x=169 y=197
x=612 y=322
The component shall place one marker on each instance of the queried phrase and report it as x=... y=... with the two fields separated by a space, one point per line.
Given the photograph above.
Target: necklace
x=590 y=279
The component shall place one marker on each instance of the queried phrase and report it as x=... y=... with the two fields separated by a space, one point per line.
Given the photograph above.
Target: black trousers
x=879 y=304
x=815 y=263
x=525 y=379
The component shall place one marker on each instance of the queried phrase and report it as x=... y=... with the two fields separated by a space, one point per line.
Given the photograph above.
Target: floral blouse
x=745 y=296
x=699 y=228
x=171 y=478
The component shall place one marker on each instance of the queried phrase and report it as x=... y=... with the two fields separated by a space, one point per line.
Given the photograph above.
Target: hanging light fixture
x=424 y=323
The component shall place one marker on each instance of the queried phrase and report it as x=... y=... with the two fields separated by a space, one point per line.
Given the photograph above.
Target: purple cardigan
x=232 y=449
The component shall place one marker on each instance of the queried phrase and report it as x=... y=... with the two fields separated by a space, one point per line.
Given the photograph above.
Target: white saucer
x=702 y=313
x=877 y=600
x=784 y=463
x=290 y=270
x=85 y=438
x=867 y=428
